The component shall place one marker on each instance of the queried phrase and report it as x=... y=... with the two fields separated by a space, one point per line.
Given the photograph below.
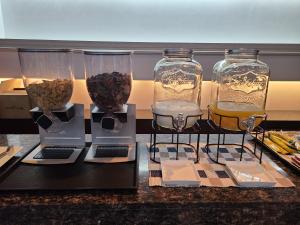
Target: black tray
x=18 y=176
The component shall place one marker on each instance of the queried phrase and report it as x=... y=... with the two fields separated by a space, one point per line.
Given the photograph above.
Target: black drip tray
x=111 y=151
x=54 y=153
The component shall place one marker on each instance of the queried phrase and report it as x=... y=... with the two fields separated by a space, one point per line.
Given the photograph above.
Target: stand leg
x=207 y=143
x=190 y=138
x=218 y=146
x=261 y=149
x=172 y=137
x=242 y=150
x=150 y=142
x=197 y=150
x=154 y=144
x=223 y=139
x=255 y=143
x=177 y=146
x=219 y=136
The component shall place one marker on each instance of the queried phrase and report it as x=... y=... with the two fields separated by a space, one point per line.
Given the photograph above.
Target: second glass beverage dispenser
x=239 y=90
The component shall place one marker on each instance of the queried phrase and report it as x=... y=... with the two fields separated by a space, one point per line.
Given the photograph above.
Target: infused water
x=173 y=108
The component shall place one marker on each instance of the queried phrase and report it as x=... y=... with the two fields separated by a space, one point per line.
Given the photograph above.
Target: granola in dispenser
x=50 y=95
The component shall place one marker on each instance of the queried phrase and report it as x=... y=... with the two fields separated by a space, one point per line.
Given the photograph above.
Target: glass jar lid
x=242 y=53
x=95 y=52
x=178 y=52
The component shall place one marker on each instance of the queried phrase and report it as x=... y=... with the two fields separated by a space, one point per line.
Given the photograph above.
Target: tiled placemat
x=212 y=174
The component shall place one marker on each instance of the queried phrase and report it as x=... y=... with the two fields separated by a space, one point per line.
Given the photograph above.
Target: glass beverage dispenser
x=239 y=90
x=177 y=89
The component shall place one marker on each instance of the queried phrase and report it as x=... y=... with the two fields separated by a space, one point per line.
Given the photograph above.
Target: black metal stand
x=222 y=131
x=175 y=131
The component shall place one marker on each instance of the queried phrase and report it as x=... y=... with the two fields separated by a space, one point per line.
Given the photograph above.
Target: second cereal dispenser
x=109 y=81
x=48 y=80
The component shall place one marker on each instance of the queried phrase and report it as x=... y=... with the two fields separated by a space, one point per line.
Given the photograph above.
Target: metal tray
x=286 y=159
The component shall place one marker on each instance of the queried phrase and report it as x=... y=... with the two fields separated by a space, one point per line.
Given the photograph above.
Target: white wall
x=190 y=21
x=2 y=32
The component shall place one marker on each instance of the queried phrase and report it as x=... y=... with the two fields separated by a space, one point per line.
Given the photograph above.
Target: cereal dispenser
x=48 y=80
x=113 y=121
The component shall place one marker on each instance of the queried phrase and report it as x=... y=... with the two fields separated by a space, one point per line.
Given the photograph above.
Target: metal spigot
x=249 y=123
x=179 y=122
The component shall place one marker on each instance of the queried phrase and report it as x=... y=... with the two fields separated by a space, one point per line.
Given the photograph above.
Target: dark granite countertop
x=152 y=205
